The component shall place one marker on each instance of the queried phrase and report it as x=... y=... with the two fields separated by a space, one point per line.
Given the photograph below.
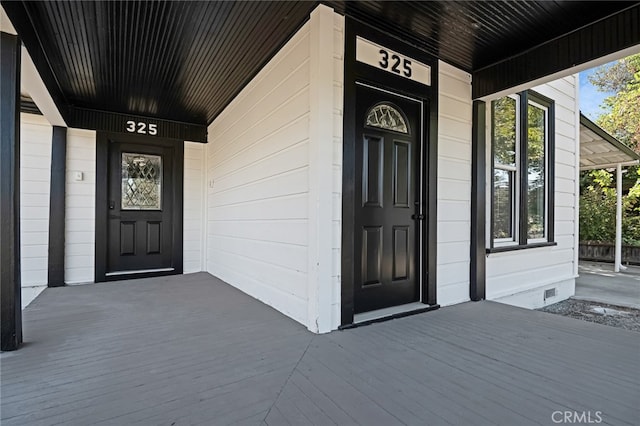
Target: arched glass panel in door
x=388 y=117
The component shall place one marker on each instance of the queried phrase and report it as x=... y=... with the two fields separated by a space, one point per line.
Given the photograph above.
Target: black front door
x=386 y=240
x=140 y=203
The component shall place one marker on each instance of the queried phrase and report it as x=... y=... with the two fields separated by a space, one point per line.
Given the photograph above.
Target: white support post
x=618 y=260
x=320 y=170
x=576 y=210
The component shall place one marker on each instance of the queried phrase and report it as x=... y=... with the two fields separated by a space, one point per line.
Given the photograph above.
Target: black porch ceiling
x=185 y=61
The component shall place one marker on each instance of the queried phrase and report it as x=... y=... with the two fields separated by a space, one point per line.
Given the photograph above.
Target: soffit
x=598 y=149
x=185 y=61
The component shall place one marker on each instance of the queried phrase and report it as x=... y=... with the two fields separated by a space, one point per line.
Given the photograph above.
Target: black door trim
x=101 y=211
x=357 y=72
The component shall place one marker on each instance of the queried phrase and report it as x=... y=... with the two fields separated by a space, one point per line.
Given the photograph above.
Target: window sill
x=520 y=247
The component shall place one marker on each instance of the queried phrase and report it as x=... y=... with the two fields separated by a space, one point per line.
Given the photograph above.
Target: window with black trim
x=522 y=163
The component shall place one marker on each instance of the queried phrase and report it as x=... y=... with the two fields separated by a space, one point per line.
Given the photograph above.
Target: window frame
x=520 y=214
x=545 y=237
x=515 y=211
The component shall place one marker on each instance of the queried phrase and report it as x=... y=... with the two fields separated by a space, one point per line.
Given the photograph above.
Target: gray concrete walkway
x=598 y=283
x=190 y=349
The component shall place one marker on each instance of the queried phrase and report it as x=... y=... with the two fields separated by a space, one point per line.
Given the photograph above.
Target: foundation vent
x=549 y=293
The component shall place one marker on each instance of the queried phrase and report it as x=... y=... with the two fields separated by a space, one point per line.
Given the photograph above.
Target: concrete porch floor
x=192 y=350
x=599 y=283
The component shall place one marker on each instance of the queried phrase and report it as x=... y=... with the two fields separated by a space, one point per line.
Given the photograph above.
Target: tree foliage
x=598 y=211
x=621 y=116
x=504 y=131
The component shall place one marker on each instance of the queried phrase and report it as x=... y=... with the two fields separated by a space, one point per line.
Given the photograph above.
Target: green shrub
x=597 y=217
x=631 y=230
x=598 y=212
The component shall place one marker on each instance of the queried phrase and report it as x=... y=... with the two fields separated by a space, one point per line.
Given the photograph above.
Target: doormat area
x=601 y=313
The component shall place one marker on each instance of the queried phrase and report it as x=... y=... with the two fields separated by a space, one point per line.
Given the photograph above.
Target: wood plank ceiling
x=181 y=61
x=185 y=61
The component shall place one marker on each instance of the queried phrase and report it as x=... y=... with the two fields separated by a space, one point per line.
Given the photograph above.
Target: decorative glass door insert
x=385 y=116
x=141 y=181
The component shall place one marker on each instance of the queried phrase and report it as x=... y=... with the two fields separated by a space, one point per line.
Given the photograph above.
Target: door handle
x=112 y=205
x=417 y=216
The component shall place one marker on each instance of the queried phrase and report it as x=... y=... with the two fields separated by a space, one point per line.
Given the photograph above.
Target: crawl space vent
x=549 y=293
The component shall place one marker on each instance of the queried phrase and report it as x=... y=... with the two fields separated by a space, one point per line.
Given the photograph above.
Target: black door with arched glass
x=387 y=204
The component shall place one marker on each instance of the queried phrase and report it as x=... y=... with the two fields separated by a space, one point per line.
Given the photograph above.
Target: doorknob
x=417 y=217
x=112 y=205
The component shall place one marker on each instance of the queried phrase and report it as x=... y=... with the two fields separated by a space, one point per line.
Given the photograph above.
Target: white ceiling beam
x=31 y=84
x=608 y=166
x=5 y=23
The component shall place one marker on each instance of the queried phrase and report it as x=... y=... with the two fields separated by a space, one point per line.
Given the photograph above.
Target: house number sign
x=141 y=128
x=391 y=61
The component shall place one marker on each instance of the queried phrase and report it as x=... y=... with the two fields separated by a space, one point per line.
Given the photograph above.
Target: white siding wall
x=35 y=177
x=270 y=159
x=454 y=184
x=80 y=207
x=520 y=277
x=194 y=158
x=258 y=159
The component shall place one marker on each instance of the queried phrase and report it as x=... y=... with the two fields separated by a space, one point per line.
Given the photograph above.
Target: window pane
x=503 y=204
x=387 y=117
x=536 y=171
x=141 y=181
x=504 y=131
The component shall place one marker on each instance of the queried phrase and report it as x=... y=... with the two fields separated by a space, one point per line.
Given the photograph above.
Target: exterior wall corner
x=322 y=96
x=257 y=175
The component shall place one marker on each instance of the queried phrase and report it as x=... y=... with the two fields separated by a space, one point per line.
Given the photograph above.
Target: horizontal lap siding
x=193 y=206
x=518 y=271
x=454 y=184
x=35 y=176
x=257 y=193
x=80 y=204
